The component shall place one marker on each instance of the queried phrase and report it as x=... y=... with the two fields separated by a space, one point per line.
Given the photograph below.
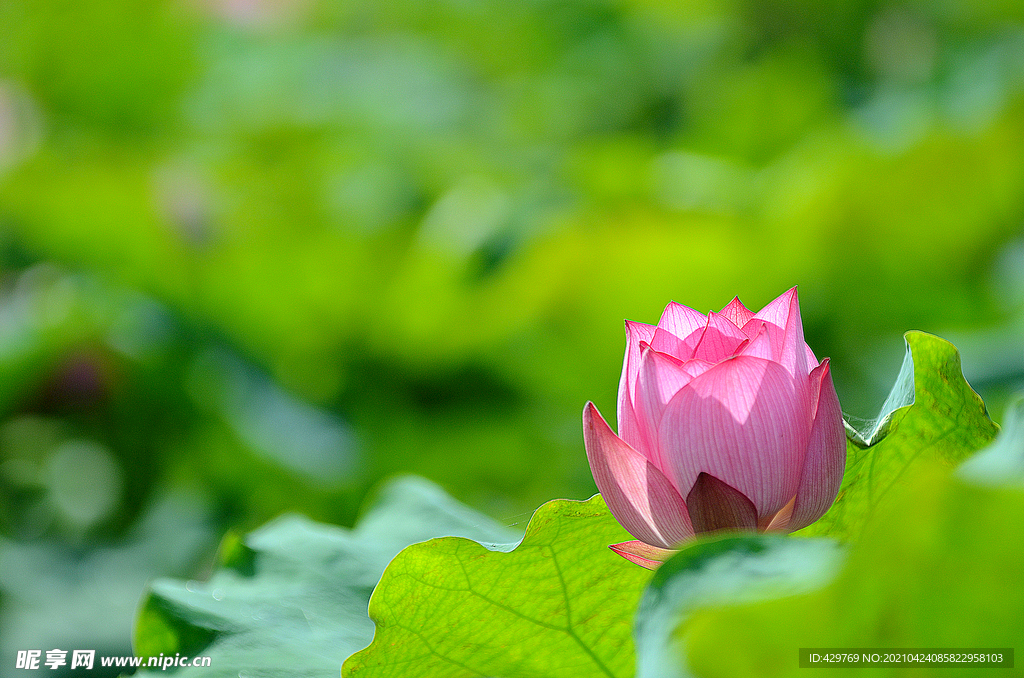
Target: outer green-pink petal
x=826 y=454
x=639 y=496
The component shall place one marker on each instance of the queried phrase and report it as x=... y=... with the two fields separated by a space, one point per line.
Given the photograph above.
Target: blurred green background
x=258 y=255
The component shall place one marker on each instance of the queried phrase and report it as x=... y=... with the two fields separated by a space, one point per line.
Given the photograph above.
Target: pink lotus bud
x=726 y=422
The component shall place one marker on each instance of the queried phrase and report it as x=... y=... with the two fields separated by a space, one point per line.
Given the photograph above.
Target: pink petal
x=743 y=421
x=661 y=377
x=760 y=345
x=721 y=339
x=715 y=505
x=737 y=313
x=666 y=342
x=625 y=414
x=697 y=367
x=826 y=453
x=777 y=311
x=639 y=496
x=682 y=321
x=643 y=554
x=752 y=327
x=788 y=345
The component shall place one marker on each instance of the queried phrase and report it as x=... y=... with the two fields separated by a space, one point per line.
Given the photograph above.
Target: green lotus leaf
x=558 y=604
x=724 y=570
x=938 y=567
x=931 y=415
x=290 y=598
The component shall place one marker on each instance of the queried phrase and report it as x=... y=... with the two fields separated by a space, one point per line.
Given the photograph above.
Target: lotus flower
x=726 y=422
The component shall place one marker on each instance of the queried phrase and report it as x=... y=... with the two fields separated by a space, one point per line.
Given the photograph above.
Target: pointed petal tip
x=794 y=296
x=594 y=423
x=676 y=306
x=637 y=332
x=780 y=521
x=681 y=320
x=736 y=312
x=787 y=297
x=819 y=373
